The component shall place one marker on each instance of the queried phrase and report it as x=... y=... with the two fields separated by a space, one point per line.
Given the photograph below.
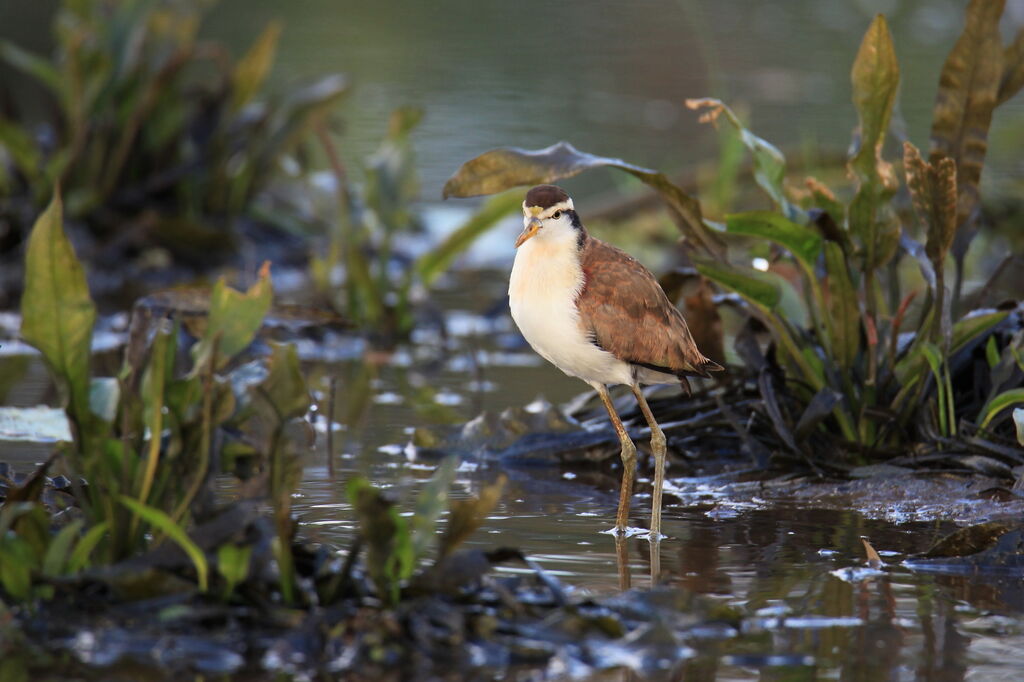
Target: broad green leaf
x=57 y=312
x=467 y=515
x=440 y=258
x=843 y=314
x=164 y=524
x=59 y=551
x=83 y=550
x=753 y=285
x=769 y=162
x=252 y=69
x=430 y=503
x=501 y=169
x=233 y=320
x=803 y=242
x=968 y=90
x=16 y=562
x=875 y=77
x=1006 y=399
x=233 y=564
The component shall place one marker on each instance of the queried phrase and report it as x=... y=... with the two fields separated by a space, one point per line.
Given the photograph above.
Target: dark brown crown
x=546 y=196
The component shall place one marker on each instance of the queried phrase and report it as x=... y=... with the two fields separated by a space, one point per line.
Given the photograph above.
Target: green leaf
x=909 y=369
x=233 y=564
x=1006 y=399
x=390 y=558
x=22 y=149
x=803 y=242
x=80 y=556
x=38 y=67
x=163 y=523
x=757 y=287
x=1018 y=420
x=59 y=551
x=285 y=387
x=769 y=162
x=501 y=169
x=154 y=382
x=843 y=314
x=251 y=71
x=875 y=78
x=57 y=312
x=430 y=503
x=16 y=561
x=234 y=319
x=440 y=258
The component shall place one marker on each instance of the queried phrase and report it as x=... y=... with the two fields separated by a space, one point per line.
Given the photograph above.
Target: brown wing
x=627 y=312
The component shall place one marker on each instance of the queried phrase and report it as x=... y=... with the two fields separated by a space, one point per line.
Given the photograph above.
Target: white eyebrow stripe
x=548 y=212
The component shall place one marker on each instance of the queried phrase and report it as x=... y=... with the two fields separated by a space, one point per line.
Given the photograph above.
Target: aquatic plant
x=360 y=273
x=150 y=128
x=865 y=367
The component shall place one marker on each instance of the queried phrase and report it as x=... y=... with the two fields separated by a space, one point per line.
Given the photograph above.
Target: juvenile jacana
x=597 y=314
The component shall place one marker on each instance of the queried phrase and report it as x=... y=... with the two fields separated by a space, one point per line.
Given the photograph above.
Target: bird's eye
x=556 y=215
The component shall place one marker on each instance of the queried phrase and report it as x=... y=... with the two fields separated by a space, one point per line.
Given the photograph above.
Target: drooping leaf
x=233 y=320
x=430 y=503
x=968 y=90
x=501 y=169
x=166 y=525
x=803 y=242
x=769 y=162
x=995 y=406
x=58 y=313
x=252 y=69
x=467 y=515
x=438 y=259
x=875 y=77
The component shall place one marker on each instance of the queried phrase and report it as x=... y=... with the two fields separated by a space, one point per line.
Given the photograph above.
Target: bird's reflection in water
x=622 y=562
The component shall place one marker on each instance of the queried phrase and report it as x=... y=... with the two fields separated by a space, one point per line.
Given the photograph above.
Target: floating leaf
x=57 y=312
x=501 y=169
x=252 y=69
x=166 y=525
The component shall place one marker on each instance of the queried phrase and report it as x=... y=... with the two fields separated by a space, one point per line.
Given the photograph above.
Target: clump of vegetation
x=865 y=369
x=155 y=137
x=361 y=274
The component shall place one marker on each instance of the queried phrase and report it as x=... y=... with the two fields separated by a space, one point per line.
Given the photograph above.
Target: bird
x=597 y=314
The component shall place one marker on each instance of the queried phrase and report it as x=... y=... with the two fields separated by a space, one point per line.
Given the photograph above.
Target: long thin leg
x=660 y=451
x=628 y=459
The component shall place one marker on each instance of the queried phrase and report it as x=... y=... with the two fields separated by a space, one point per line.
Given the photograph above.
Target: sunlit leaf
x=438 y=259
x=803 y=242
x=57 y=312
x=233 y=320
x=994 y=407
x=166 y=525
x=251 y=70
x=753 y=285
x=501 y=169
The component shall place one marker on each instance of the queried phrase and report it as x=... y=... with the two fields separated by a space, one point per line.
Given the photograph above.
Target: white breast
x=546 y=279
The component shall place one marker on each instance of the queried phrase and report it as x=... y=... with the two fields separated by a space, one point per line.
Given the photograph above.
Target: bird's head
x=547 y=214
